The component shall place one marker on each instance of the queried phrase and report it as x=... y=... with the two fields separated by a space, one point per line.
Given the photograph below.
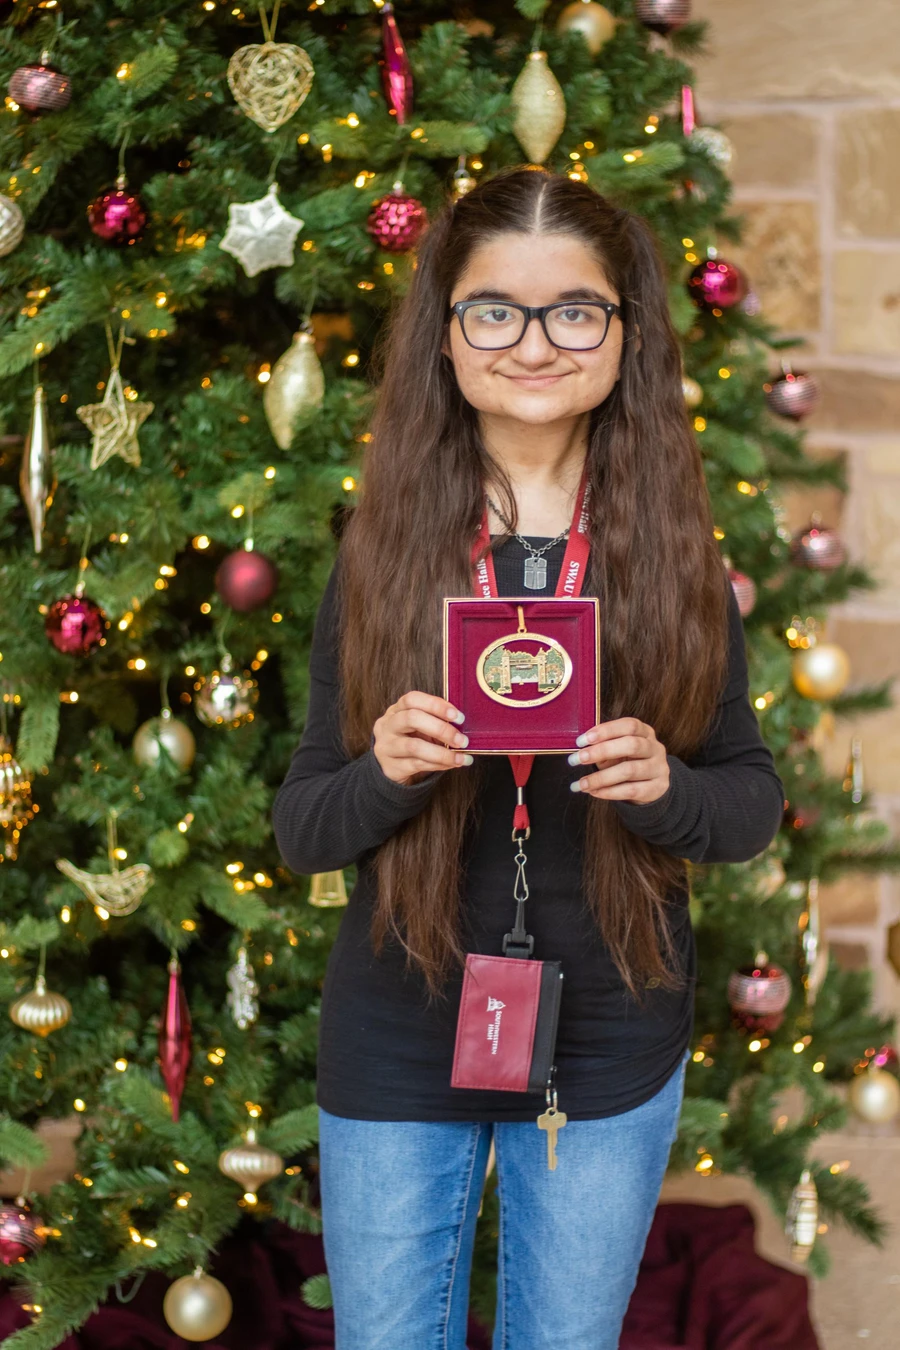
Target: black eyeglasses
x=493 y=325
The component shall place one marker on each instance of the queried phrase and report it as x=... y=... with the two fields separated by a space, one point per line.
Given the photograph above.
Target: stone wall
x=809 y=94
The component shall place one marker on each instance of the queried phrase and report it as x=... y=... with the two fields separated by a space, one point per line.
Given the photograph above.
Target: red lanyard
x=570 y=583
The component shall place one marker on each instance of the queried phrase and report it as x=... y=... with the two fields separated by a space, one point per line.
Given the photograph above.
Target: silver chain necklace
x=535 y=565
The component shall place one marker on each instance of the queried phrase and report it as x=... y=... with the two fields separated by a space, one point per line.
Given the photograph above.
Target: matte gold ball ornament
x=693 y=392
x=540 y=108
x=250 y=1164
x=197 y=1307
x=164 y=735
x=594 y=22
x=40 y=1010
x=875 y=1095
x=296 y=386
x=821 y=671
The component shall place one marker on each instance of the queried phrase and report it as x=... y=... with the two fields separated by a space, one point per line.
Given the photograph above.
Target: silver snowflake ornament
x=261 y=234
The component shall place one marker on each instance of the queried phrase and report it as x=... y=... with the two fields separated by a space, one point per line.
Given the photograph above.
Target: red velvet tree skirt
x=701 y=1286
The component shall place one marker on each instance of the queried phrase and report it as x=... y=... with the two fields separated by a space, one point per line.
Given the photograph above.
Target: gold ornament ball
x=693 y=392
x=197 y=1307
x=594 y=22
x=296 y=386
x=540 y=108
x=875 y=1096
x=250 y=1164
x=12 y=225
x=16 y=808
x=820 y=672
x=164 y=732
x=40 y=1011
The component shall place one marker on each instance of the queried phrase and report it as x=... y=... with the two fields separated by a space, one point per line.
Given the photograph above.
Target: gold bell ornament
x=16 y=807
x=197 y=1307
x=540 y=108
x=296 y=386
x=875 y=1095
x=37 y=481
x=594 y=22
x=270 y=80
x=802 y=1221
x=327 y=890
x=251 y=1165
x=40 y=1010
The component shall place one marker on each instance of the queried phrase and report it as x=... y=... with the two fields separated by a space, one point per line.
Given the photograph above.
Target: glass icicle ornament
x=37 y=481
x=175 y=1038
x=540 y=108
x=242 y=997
x=296 y=386
x=396 y=75
x=802 y=1220
x=16 y=807
x=327 y=890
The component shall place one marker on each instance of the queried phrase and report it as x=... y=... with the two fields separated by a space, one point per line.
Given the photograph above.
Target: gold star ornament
x=115 y=423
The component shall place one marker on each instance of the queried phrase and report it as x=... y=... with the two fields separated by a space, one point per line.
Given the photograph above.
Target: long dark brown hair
x=655 y=566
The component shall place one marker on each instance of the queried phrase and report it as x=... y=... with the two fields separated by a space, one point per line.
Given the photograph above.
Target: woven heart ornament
x=269 y=81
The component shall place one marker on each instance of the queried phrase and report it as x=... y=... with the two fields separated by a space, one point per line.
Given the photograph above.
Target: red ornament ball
x=819 y=548
x=744 y=588
x=40 y=88
x=246 y=579
x=793 y=395
x=663 y=16
x=397 y=222
x=19 y=1235
x=716 y=284
x=758 y=996
x=117 y=216
x=76 y=625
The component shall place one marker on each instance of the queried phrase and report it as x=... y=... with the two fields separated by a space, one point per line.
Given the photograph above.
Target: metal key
x=552 y=1121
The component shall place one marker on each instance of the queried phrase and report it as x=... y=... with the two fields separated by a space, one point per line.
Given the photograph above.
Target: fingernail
x=576 y=786
x=456 y=715
x=575 y=757
x=460 y=739
x=583 y=739
x=465 y=759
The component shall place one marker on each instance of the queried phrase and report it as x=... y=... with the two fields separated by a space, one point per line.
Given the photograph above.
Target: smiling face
x=534 y=381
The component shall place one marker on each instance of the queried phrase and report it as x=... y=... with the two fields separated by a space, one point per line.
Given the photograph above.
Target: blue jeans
x=399 y=1204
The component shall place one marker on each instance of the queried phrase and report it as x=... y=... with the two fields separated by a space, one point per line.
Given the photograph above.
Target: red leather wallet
x=506 y=1031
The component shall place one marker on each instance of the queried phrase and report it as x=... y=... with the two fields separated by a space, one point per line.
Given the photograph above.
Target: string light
x=264 y=374
x=121 y=1065
x=181 y=1167
x=237 y=512
x=200 y=541
x=78 y=1104
x=269 y=473
x=183 y=1200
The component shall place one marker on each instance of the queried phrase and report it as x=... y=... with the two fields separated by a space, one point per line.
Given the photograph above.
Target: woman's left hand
x=632 y=762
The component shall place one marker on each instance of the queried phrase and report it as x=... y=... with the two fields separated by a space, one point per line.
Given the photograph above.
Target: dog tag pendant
x=536 y=573
x=552 y=1121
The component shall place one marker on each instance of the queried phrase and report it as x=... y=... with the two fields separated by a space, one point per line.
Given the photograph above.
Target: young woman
x=485 y=404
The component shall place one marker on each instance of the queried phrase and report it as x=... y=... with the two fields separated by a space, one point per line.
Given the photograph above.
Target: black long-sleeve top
x=385 y=1050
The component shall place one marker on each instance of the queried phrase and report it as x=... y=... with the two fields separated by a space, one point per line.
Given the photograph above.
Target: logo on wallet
x=495 y=1006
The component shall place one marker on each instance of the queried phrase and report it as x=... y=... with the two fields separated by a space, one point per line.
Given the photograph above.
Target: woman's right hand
x=412 y=737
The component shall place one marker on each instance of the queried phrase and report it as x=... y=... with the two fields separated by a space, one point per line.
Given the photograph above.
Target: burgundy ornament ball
x=744 y=588
x=76 y=625
x=118 y=215
x=794 y=394
x=397 y=222
x=19 y=1232
x=758 y=996
x=819 y=548
x=40 y=87
x=246 y=579
x=663 y=16
x=716 y=284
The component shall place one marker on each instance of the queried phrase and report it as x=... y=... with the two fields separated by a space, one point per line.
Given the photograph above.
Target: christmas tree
x=209 y=212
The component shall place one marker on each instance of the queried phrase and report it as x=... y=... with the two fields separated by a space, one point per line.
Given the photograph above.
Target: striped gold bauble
x=40 y=1010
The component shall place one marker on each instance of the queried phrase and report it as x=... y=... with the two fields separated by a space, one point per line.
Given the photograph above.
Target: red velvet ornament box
x=525 y=671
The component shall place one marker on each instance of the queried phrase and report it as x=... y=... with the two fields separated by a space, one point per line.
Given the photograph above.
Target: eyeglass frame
x=537 y=312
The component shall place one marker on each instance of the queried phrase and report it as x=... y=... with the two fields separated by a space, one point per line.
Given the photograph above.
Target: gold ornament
x=115 y=423
x=16 y=809
x=820 y=671
x=40 y=1011
x=815 y=947
x=875 y=1095
x=540 y=108
x=197 y=1307
x=261 y=234
x=595 y=24
x=463 y=182
x=296 y=386
x=802 y=1221
x=693 y=392
x=854 y=776
x=12 y=225
x=770 y=878
x=37 y=482
x=114 y=892
x=250 y=1164
x=226 y=699
x=327 y=890
x=270 y=81
x=164 y=733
